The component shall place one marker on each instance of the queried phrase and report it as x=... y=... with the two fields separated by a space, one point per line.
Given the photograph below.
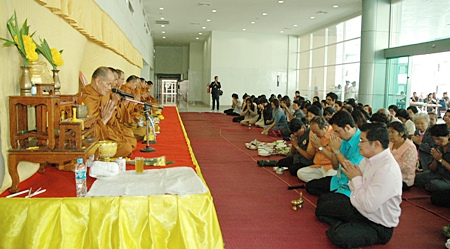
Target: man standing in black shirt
x=215 y=87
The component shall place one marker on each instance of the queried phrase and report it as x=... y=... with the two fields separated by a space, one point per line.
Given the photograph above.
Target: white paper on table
x=177 y=180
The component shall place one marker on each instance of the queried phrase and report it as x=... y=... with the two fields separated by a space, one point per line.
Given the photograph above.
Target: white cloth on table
x=177 y=180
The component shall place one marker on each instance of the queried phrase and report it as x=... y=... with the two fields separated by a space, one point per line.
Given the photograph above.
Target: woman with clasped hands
x=404 y=152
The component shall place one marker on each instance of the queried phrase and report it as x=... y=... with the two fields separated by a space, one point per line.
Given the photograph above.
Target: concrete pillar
x=374 y=38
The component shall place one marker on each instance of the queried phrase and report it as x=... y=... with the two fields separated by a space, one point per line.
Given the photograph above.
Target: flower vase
x=25 y=82
x=57 y=83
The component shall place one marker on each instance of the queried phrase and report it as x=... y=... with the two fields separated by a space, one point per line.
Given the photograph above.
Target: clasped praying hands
x=351 y=170
x=107 y=111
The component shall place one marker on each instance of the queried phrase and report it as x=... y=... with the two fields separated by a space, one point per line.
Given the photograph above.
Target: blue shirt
x=350 y=150
x=280 y=120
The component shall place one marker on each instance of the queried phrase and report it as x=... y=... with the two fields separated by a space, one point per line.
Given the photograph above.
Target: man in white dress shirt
x=373 y=210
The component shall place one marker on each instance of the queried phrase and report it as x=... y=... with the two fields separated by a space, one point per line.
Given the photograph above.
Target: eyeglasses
x=362 y=141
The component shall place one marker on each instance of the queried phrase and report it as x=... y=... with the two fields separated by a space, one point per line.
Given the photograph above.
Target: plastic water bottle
x=141 y=122
x=80 y=178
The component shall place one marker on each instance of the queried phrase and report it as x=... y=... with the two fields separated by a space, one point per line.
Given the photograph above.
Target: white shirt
x=378 y=193
x=237 y=108
x=410 y=127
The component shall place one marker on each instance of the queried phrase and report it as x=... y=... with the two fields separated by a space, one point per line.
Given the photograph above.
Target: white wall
x=132 y=26
x=249 y=63
x=206 y=97
x=195 y=72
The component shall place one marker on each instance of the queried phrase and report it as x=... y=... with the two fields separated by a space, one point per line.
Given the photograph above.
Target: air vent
x=204 y=4
x=162 y=22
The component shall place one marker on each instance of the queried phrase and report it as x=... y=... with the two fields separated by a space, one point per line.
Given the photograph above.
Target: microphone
x=156 y=106
x=123 y=94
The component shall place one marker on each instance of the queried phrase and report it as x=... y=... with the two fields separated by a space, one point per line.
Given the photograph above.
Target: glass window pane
x=305 y=59
x=303 y=84
x=353 y=28
x=336 y=33
x=305 y=43
x=318 y=57
x=416 y=21
x=352 y=50
x=318 y=83
x=318 y=38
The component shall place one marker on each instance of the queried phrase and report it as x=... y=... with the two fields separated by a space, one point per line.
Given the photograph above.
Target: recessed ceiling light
x=312 y=17
x=214 y=11
x=200 y=33
x=161 y=8
x=197 y=38
x=281 y=31
x=203 y=27
x=252 y=22
x=243 y=29
x=295 y=25
x=164 y=32
x=280 y=1
x=208 y=20
x=164 y=37
x=264 y=14
x=335 y=6
x=162 y=18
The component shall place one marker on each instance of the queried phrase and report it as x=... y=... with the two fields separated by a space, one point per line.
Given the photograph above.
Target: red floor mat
x=253 y=203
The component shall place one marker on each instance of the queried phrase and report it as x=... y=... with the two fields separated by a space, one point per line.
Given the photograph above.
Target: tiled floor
x=184 y=106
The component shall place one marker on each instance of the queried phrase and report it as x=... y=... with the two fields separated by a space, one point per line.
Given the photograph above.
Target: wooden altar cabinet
x=41 y=144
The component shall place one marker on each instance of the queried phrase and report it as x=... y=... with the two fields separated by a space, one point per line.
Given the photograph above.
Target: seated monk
x=102 y=108
x=134 y=111
x=121 y=107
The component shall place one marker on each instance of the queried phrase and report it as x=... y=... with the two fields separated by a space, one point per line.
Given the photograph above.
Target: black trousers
x=441 y=198
x=289 y=162
x=214 y=100
x=319 y=186
x=349 y=229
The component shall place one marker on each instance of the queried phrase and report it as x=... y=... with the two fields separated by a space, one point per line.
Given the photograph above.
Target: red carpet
x=170 y=143
x=253 y=203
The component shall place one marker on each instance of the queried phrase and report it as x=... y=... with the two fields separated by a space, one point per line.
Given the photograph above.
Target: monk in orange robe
x=103 y=108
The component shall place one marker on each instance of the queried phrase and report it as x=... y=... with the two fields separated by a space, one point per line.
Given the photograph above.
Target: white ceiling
x=188 y=17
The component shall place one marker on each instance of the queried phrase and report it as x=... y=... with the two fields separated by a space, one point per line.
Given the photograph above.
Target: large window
x=417 y=21
x=329 y=58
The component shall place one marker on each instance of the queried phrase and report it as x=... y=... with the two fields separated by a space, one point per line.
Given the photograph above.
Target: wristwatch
x=440 y=160
x=320 y=148
x=336 y=152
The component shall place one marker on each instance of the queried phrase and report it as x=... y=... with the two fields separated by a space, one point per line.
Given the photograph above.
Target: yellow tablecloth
x=161 y=221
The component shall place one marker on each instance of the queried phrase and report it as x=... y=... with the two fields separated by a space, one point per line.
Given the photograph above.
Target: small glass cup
x=139 y=165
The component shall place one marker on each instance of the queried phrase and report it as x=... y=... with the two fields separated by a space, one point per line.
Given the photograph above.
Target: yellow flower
x=21 y=39
x=56 y=57
x=29 y=47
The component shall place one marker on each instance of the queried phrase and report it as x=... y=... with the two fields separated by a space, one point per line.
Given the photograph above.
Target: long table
x=158 y=221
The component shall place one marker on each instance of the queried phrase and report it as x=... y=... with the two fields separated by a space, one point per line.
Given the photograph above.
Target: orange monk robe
x=113 y=130
x=134 y=112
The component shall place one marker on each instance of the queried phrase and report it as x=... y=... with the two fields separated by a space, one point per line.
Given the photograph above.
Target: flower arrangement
x=52 y=55
x=21 y=39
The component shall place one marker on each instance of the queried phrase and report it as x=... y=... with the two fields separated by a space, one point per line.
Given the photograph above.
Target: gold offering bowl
x=107 y=149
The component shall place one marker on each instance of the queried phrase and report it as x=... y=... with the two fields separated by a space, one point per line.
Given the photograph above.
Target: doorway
x=168 y=88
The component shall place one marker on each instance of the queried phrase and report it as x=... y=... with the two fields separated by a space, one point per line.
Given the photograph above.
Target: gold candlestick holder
x=296 y=204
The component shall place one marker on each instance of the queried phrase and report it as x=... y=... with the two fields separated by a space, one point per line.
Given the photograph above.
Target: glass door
x=397 y=85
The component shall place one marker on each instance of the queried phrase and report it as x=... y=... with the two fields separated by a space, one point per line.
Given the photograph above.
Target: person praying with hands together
x=369 y=216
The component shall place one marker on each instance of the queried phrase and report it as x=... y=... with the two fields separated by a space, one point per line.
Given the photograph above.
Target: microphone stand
x=149 y=121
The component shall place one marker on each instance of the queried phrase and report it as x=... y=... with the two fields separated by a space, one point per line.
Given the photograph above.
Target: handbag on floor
x=267 y=163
